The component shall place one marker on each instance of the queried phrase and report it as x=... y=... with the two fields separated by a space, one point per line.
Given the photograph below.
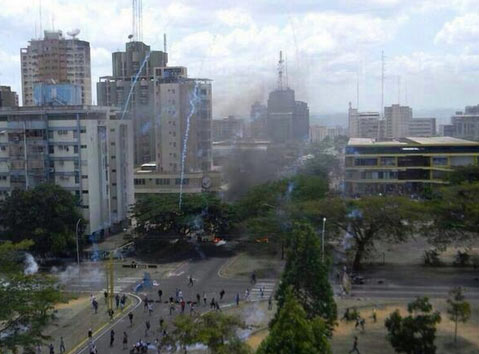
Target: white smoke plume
x=31 y=266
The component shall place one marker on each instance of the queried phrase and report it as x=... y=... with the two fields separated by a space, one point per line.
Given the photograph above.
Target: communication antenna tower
x=280 y=70
x=164 y=42
x=137 y=19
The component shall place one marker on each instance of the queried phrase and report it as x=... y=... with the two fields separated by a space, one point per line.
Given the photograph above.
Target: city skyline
x=429 y=45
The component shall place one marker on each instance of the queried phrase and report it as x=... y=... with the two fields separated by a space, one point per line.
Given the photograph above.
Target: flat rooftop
x=432 y=141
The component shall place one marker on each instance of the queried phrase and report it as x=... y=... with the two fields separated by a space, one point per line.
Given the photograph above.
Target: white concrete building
x=84 y=149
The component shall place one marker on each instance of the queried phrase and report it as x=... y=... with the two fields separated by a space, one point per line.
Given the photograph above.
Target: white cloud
x=462 y=29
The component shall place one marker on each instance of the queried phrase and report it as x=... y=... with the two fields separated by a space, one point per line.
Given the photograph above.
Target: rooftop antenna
x=40 y=17
x=405 y=92
x=399 y=89
x=73 y=33
x=164 y=42
x=280 y=70
x=357 y=90
x=382 y=83
x=286 y=70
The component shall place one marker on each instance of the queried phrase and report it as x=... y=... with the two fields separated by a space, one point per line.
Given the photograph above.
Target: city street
x=206 y=279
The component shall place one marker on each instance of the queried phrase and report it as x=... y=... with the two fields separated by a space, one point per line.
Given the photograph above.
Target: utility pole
x=322 y=241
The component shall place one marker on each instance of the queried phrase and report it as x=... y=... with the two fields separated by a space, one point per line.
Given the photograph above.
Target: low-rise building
x=404 y=166
x=8 y=98
x=84 y=149
x=148 y=180
x=229 y=128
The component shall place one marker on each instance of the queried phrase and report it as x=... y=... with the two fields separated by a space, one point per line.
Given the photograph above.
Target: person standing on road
x=90 y=334
x=198 y=299
x=253 y=278
x=190 y=281
x=105 y=295
x=147 y=327
x=150 y=309
x=237 y=299
x=125 y=341
x=212 y=303
x=52 y=349
x=162 y=323
x=355 y=346
x=172 y=306
x=130 y=317
x=270 y=303
x=217 y=306
x=261 y=291
x=246 y=294
x=122 y=302
x=95 y=305
x=117 y=301
x=183 y=304
x=204 y=298
x=222 y=293
x=374 y=316
x=160 y=294
x=112 y=337
x=62 y=346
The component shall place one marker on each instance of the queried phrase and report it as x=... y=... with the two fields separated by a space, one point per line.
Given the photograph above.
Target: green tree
x=185 y=331
x=458 y=309
x=414 y=334
x=307 y=275
x=454 y=214
x=293 y=332
x=464 y=174
x=46 y=214
x=160 y=215
x=218 y=332
x=366 y=220
x=27 y=300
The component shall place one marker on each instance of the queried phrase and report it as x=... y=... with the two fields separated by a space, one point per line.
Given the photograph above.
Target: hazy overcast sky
x=432 y=45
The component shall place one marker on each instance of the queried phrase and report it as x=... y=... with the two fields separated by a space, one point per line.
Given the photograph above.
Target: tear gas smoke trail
x=31 y=266
x=194 y=99
x=133 y=84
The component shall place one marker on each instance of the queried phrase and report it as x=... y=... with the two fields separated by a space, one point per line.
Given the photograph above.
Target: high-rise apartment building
x=229 y=128
x=183 y=120
x=258 y=118
x=397 y=121
x=86 y=150
x=138 y=103
x=56 y=60
x=8 y=98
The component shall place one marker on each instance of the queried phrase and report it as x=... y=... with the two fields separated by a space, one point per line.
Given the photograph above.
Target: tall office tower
x=86 y=150
x=288 y=120
x=8 y=98
x=258 y=117
x=397 y=121
x=137 y=104
x=56 y=60
x=183 y=119
x=465 y=124
x=364 y=124
x=422 y=127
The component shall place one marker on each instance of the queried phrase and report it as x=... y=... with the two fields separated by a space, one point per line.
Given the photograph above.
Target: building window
x=75 y=149
x=83 y=146
x=84 y=176
x=439 y=161
x=51 y=149
x=77 y=179
x=185 y=181
x=84 y=192
x=139 y=182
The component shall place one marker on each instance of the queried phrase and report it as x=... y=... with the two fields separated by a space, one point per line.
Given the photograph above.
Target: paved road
x=206 y=280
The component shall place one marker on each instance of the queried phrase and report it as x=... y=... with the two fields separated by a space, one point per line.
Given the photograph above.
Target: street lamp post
x=322 y=241
x=78 y=247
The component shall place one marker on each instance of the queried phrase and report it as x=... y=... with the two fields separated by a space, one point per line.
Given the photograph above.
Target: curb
x=225 y=265
x=123 y=314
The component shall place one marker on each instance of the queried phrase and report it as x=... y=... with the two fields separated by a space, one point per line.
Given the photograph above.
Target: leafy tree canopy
x=458 y=309
x=307 y=276
x=27 y=300
x=46 y=214
x=415 y=333
x=454 y=214
x=293 y=332
x=161 y=215
x=366 y=220
x=464 y=174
